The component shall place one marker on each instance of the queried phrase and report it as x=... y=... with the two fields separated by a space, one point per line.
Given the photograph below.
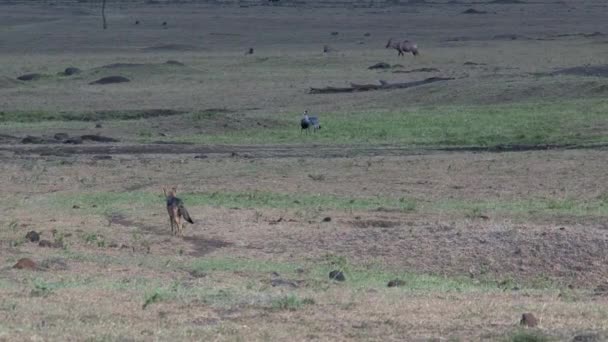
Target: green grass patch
x=523 y=335
x=567 y=122
x=108 y=203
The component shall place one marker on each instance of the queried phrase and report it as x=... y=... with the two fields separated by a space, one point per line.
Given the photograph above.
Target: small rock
x=198 y=274
x=200 y=156
x=102 y=157
x=73 y=140
x=337 y=275
x=29 y=77
x=335 y=33
x=75 y=206
x=528 y=320
x=56 y=264
x=98 y=125
x=33 y=140
x=71 y=71
x=25 y=264
x=367 y=34
x=61 y=136
x=136 y=22
x=32 y=236
x=396 y=283
x=249 y=52
x=327 y=219
x=326 y=49
x=381 y=65
x=49 y=244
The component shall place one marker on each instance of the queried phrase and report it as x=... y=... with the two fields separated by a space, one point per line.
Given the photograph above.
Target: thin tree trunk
x=103 y=14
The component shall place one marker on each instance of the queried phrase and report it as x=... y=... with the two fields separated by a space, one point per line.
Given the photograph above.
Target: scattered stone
x=30 y=139
x=396 y=283
x=29 y=77
x=367 y=34
x=528 y=320
x=49 y=244
x=113 y=245
x=32 y=236
x=110 y=80
x=337 y=275
x=75 y=206
x=473 y=63
x=249 y=52
x=164 y=23
x=172 y=62
x=327 y=219
x=71 y=71
x=201 y=156
x=326 y=49
x=473 y=11
x=381 y=65
x=61 y=136
x=97 y=138
x=25 y=264
x=102 y=157
x=335 y=33
x=136 y=22
x=98 y=125
x=73 y=141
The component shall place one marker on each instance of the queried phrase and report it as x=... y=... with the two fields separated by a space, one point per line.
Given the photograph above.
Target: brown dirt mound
x=25 y=264
x=110 y=80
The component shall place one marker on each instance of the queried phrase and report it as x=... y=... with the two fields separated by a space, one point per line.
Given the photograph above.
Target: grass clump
x=291 y=303
x=528 y=336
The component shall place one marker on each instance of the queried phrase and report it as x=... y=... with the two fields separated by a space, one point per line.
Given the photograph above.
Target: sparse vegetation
x=435 y=237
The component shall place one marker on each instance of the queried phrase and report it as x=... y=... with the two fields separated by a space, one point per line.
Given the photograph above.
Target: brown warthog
x=403 y=46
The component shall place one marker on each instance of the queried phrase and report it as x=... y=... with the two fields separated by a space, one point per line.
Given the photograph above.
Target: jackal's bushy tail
x=185 y=214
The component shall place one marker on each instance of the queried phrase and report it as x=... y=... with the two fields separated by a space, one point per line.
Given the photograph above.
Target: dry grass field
x=485 y=196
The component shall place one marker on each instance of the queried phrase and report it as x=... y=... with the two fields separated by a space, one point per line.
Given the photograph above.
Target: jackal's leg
x=171 y=223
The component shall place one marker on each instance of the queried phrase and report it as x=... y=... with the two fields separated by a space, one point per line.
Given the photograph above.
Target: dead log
x=382 y=86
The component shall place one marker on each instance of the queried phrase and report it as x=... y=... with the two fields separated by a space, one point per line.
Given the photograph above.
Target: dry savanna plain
x=480 y=196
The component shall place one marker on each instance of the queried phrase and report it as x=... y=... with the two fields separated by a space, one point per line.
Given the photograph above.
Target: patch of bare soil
x=199 y=245
x=110 y=80
x=585 y=70
x=526 y=253
x=172 y=47
x=6 y=82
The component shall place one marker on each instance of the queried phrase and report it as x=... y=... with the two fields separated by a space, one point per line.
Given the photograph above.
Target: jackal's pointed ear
x=165 y=191
x=174 y=189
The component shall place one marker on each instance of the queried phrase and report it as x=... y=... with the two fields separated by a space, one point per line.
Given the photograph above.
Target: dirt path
x=275 y=151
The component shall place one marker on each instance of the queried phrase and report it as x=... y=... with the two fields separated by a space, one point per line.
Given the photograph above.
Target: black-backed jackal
x=177 y=211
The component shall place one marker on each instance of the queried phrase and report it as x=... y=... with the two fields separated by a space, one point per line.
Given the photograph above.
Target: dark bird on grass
x=177 y=211
x=403 y=46
x=308 y=122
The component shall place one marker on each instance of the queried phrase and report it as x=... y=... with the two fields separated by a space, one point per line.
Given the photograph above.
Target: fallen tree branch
x=382 y=86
